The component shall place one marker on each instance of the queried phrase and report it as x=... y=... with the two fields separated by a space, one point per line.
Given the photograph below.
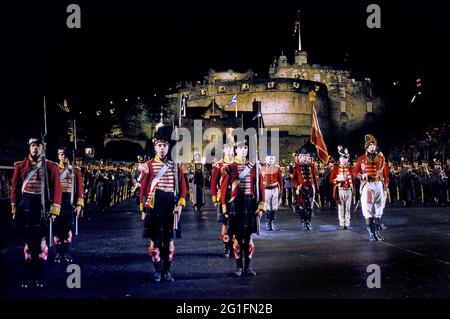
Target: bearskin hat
x=163 y=134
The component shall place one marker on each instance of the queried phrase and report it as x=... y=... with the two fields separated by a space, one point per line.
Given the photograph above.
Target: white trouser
x=272 y=199
x=345 y=199
x=377 y=201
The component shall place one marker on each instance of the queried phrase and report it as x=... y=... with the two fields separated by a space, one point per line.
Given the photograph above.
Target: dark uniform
x=71 y=181
x=31 y=219
x=158 y=200
x=216 y=180
x=239 y=181
x=305 y=182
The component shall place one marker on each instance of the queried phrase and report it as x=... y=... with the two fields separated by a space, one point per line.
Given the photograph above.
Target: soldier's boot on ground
x=268 y=221
x=248 y=269
x=382 y=225
x=369 y=227
x=67 y=253
x=166 y=273
x=238 y=271
x=58 y=254
x=27 y=281
x=272 y=220
x=226 y=249
x=157 y=271
x=377 y=226
x=39 y=281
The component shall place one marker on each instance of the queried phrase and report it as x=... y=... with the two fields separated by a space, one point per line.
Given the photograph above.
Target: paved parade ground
x=290 y=263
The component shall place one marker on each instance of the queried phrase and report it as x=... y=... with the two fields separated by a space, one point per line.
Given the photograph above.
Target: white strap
x=64 y=174
x=158 y=176
x=245 y=172
x=30 y=175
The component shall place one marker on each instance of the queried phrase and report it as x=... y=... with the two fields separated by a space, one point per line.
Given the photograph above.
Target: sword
x=76 y=226
x=258 y=224
x=357 y=205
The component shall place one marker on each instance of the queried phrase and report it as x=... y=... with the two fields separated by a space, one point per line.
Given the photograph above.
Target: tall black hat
x=163 y=134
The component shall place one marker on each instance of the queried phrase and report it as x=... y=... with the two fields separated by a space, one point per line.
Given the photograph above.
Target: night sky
x=138 y=48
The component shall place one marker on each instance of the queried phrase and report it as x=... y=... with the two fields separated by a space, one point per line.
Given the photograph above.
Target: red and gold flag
x=317 y=137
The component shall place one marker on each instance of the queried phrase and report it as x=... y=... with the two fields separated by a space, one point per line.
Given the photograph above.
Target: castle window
x=342 y=92
x=221 y=89
x=203 y=92
x=245 y=87
x=317 y=77
x=270 y=85
x=339 y=79
x=369 y=92
x=343 y=107
x=369 y=107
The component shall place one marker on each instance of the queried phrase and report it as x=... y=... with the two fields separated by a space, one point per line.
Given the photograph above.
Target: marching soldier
x=72 y=196
x=240 y=178
x=372 y=170
x=198 y=194
x=305 y=184
x=341 y=178
x=216 y=181
x=273 y=186
x=28 y=187
x=160 y=209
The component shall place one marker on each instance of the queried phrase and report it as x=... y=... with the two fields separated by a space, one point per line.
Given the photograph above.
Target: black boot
x=58 y=254
x=40 y=274
x=238 y=271
x=378 y=228
x=66 y=253
x=268 y=221
x=272 y=220
x=27 y=282
x=157 y=273
x=226 y=249
x=248 y=270
x=167 y=274
x=369 y=228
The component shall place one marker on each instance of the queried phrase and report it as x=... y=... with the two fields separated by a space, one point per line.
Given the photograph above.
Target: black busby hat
x=307 y=148
x=163 y=133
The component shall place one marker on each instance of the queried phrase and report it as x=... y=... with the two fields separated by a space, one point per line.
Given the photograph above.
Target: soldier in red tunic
x=216 y=180
x=273 y=187
x=305 y=183
x=372 y=169
x=239 y=181
x=341 y=178
x=72 y=202
x=159 y=205
x=28 y=184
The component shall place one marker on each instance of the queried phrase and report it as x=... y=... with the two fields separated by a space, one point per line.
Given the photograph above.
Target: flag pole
x=236 y=107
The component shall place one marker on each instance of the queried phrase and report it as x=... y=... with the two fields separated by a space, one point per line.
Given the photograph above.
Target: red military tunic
x=33 y=186
x=216 y=179
x=247 y=186
x=305 y=175
x=272 y=177
x=166 y=182
x=376 y=169
x=346 y=174
x=66 y=183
